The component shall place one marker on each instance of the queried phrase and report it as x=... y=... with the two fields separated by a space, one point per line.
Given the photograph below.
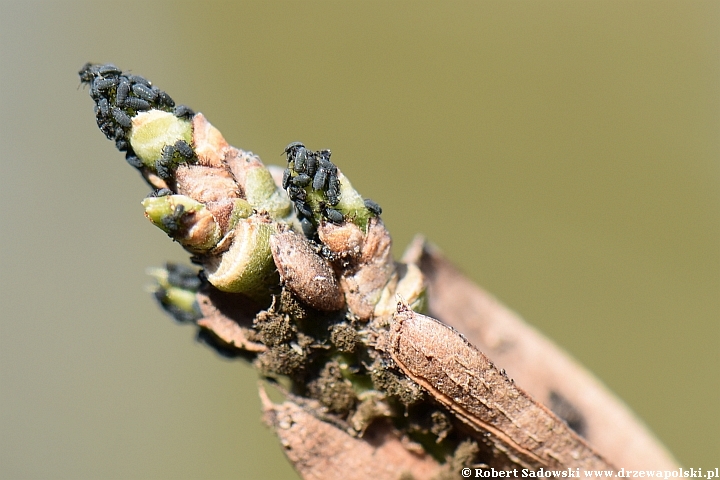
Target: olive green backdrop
x=565 y=154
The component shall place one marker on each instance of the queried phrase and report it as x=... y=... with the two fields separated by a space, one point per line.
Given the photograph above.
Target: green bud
x=185 y=220
x=154 y=129
x=241 y=211
x=247 y=265
x=264 y=195
x=175 y=290
x=352 y=204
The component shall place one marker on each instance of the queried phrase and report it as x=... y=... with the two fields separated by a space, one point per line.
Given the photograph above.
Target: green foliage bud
x=241 y=210
x=154 y=129
x=247 y=265
x=352 y=204
x=185 y=220
x=264 y=195
x=175 y=289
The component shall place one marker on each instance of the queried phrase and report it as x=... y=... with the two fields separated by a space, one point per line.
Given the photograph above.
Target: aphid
x=105 y=83
x=162 y=170
x=182 y=276
x=108 y=69
x=144 y=92
x=133 y=160
x=172 y=222
x=163 y=98
x=137 y=103
x=165 y=162
x=122 y=91
x=293 y=191
x=162 y=192
x=301 y=180
x=121 y=117
x=286 y=178
x=140 y=80
x=104 y=107
x=290 y=149
x=324 y=162
x=326 y=170
x=95 y=94
x=303 y=209
x=121 y=145
x=334 y=216
x=373 y=207
x=119 y=134
x=185 y=150
x=320 y=179
x=183 y=111
x=311 y=164
x=333 y=183
x=300 y=158
x=325 y=252
x=333 y=198
x=296 y=193
x=167 y=154
x=307 y=227
x=107 y=127
x=301 y=194
x=87 y=73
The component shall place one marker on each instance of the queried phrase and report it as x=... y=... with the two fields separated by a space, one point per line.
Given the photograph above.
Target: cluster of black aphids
x=185 y=278
x=308 y=168
x=120 y=96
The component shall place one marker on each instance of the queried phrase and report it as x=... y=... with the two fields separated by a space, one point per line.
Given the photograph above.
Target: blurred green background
x=566 y=155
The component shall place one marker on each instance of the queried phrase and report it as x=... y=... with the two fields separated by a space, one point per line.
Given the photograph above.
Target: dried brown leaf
x=536 y=364
x=520 y=431
x=229 y=317
x=321 y=451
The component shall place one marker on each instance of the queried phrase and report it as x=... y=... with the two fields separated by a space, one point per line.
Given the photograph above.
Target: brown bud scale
x=305 y=273
x=461 y=378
